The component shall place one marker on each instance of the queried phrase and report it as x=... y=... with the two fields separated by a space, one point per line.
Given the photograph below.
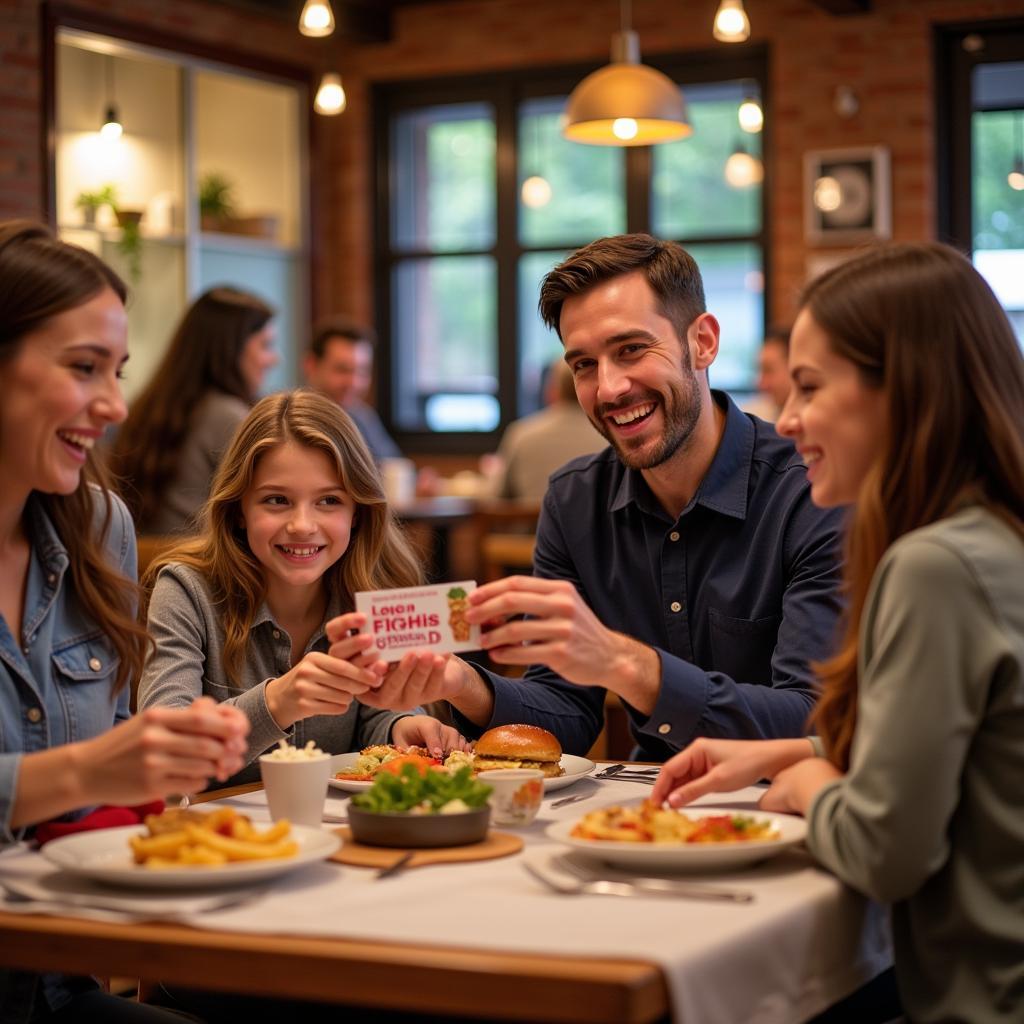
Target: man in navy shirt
x=683 y=568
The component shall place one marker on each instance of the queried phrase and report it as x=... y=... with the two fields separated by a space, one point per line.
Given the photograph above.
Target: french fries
x=220 y=837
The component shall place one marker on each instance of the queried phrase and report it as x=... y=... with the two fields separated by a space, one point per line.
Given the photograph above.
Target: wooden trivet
x=497 y=844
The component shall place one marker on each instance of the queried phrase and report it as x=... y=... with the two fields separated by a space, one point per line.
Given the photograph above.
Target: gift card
x=419 y=618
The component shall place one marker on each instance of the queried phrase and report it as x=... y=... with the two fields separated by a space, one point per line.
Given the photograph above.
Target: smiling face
x=773 y=372
x=633 y=374
x=258 y=355
x=61 y=391
x=297 y=517
x=837 y=421
x=344 y=371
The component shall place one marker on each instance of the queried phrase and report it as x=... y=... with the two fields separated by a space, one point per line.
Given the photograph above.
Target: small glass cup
x=516 y=796
x=296 y=790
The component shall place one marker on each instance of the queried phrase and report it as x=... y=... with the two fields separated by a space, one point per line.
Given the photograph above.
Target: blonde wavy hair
x=378 y=555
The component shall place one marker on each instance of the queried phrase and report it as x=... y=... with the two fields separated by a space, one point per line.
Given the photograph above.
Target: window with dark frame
x=478 y=196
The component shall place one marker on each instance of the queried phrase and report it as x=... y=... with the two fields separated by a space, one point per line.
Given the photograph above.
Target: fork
x=599 y=887
x=639 y=886
x=620 y=771
x=680 y=886
x=575 y=798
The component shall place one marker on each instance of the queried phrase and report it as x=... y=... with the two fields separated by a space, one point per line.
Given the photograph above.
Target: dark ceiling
x=369 y=21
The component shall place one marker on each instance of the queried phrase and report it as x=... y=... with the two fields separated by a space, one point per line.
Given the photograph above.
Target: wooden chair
x=505 y=537
x=152 y=546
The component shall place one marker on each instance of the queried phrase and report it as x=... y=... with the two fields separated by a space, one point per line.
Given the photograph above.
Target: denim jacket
x=57 y=676
x=56 y=681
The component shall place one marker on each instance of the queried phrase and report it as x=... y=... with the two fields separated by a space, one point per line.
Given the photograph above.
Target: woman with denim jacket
x=69 y=638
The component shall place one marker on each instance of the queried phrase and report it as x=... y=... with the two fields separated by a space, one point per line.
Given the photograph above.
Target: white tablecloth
x=805 y=942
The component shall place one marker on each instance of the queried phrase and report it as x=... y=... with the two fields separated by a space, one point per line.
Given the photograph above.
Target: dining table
x=486 y=939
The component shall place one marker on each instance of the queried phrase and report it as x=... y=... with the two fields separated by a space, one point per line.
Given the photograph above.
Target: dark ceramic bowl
x=418 y=830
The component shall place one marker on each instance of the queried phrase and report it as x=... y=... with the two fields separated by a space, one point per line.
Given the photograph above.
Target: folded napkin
x=102 y=817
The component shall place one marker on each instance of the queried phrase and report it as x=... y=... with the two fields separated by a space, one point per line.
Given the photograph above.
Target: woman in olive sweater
x=908 y=403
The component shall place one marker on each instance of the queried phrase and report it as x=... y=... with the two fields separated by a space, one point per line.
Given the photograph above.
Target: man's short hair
x=779 y=333
x=669 y=269
x=339 y=327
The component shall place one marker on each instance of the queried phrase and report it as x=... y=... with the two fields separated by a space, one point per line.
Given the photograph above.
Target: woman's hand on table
x=424 y=731
x=793 y=790
x=161 y=751
x=722 y=766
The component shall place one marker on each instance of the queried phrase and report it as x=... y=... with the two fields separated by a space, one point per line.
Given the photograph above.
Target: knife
x=396 y=866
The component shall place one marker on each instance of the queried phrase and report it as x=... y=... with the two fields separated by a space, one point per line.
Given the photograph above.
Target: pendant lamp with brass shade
x=626 y=103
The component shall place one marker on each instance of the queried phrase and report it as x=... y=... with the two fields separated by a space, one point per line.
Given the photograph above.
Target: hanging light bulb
x=317 y=18
x=111 y=127
x=330 y=97
x=742 y=169
x=1015 y=179
x=626 y=103
x=536 y=192
x=751 y=116
x=731 y=22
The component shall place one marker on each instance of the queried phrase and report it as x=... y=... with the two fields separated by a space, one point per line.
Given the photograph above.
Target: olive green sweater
x=930 y=816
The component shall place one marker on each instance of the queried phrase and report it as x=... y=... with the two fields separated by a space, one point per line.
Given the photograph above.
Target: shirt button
x=664 y=728
x=676 y=606
x=674 y=535
x=95 y=664
x=52 y=578
x=277 y=634
x=34 y=715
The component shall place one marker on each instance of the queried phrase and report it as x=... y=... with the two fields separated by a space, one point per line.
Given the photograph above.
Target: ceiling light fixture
x=731 y=22
x=750 y=115
x=536 y=189
x=626 y=103
x=1015 y=179
x=330 y=97
x=111 y=128
x=742 y=169
x=317 y=18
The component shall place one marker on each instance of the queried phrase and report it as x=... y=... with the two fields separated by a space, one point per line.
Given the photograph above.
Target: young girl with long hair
x=167 y=451
x=908 y=404
x=70 y=642
x=246 y=612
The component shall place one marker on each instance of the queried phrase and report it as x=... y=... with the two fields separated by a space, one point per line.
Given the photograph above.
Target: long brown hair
x=41 y=277
x=203 y=356
x=378 y=554
x=922 y=325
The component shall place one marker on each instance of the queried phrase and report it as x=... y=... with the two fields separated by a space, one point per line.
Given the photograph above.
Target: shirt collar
x=334 y=609
x=725 y=485
x=49 y=548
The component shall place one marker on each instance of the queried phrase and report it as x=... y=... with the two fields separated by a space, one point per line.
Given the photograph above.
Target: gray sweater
x=213 y=424
x=930 y=816
x=189 y=661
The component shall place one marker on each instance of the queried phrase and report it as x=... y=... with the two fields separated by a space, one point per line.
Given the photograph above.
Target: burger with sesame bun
x=518 y=746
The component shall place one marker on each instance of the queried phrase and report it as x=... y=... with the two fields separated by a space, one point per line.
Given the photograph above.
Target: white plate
x=688 y=856
x=105 y=856
x=575 y=768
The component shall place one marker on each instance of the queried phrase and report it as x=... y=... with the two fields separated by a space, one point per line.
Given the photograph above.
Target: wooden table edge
x=515 y=986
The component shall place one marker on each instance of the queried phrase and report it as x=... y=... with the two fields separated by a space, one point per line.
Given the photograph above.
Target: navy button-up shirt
x=738 y=595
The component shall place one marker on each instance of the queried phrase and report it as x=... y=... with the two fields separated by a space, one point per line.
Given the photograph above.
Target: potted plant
x=90 y=202
x=130 y=244
x=216 y=202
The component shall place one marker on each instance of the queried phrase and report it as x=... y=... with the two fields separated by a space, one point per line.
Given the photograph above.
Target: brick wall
x=885 y=56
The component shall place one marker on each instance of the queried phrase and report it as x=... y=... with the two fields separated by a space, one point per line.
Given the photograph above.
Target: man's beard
x=681 y=406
